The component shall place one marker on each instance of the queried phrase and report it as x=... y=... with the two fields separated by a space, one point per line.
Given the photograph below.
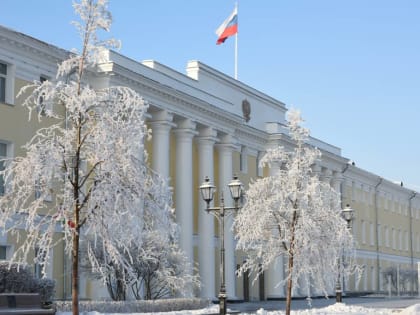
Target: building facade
x=205 y=123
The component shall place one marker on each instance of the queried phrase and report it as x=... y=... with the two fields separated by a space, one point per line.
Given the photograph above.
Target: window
x=3 y=252
x=42 y=188
x=3 y=155
x=259 y=168
x=381 y=282
x=7 y=84
x=372 y=234
x=400 y=240
x=373 y=278
x=42 y=107
x=418 y=242
x=394 y=239
x=365 y=277
x=363 y=226
x=38 y=188
x=3 y=77
x=38 y=266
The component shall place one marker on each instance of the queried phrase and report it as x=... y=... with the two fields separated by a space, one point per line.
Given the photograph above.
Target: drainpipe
x=410 y=214
x=378 y=274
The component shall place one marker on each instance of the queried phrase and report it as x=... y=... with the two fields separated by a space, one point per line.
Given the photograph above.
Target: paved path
x=371 y=302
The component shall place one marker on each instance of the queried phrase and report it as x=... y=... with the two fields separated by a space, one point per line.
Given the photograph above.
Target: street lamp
x=347 y=214
x=207 y=190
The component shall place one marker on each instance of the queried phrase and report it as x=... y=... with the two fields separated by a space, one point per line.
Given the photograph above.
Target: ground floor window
x=3 y=252
x=3 y=76
x=3 y=155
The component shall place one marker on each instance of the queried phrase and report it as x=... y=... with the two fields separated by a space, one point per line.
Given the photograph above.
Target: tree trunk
x=291 y=257
x=120 y=285
x=75 y=273
x=289 y=286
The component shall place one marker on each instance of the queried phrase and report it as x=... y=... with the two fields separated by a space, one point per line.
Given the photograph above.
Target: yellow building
x=205 y=123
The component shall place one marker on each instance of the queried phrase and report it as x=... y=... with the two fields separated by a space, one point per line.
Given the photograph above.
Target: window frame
x=3 y=78
x=260 y=170
x=38 y=266
x=2 y=166
x=9 y=83
x=8 y=156
x=5 y=252
x=42 y=107
x=8 y=249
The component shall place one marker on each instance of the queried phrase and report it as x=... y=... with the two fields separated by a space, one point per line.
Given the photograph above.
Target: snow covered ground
x=335 y=309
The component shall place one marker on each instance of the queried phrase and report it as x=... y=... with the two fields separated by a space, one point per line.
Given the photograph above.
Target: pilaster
x=205 y=142
x=161 y=125
x=225 y=149
x=184 y=185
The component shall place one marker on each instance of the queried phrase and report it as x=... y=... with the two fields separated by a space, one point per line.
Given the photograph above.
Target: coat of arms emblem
x=246 y=110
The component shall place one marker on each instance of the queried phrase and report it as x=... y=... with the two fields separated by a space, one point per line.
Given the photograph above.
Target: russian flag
x=228 y=28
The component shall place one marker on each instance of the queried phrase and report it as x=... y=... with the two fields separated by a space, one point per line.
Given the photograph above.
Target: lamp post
x=347 y=214
x=207 y=192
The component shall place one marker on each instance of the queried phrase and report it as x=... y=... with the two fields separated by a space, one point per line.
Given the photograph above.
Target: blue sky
x=351 y=66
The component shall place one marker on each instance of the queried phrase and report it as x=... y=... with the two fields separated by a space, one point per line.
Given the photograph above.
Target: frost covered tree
x=90 y=163
x=164 y=272
x=293 y=214
x=400 y=279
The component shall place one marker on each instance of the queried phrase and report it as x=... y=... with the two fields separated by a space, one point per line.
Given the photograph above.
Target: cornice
x=388 y=185
x=333 y=161
x=252 y=138
x=188 y=106
x=355 y=173
x=329 y=159
x=173 y=100
x=39 y=46
x=365 y=177
x=31 y=56
x=195 y=65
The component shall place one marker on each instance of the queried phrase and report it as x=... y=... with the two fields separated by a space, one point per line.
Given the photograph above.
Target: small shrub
x=19 y=279
x=46 y=289
x=14 y=278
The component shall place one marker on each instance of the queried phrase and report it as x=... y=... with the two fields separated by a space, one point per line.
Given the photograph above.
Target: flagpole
x=236 y=56
x=236 y=47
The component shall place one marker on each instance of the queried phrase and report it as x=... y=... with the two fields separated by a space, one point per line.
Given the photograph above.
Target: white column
x=275 y=272
x=336 y=183
x=206 y=246
x=184 y=185
x=225 y=176
x=326 y=176
x=316 y=170
x=161 y=127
